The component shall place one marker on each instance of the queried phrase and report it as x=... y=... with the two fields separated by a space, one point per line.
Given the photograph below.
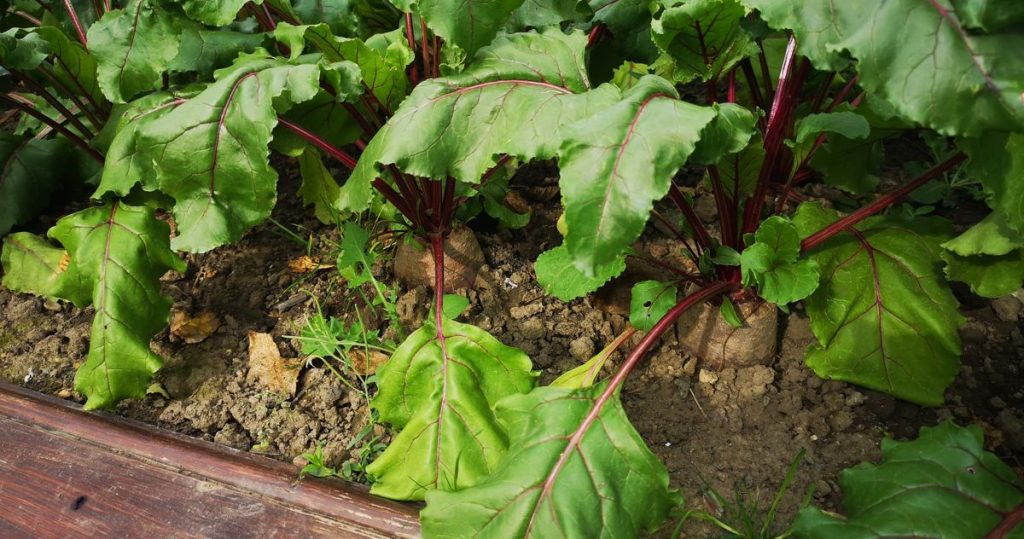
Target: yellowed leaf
x=268 y=369
x=366 y=364
x=305 y=264
x=195 y=329
x=65 y=261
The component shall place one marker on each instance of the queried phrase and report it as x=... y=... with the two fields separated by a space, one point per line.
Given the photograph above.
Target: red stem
x=79 y=141
x=841 y=96
x=55 y=103
x=724 y=204
x=269 y=17
x=1009 y=522
x=763 y=61
x=755 y=88
x=730 y=97
x=675 y=232
x=426 y=50
x=595 y=34
x=700 y=233
x=778 y=120
x=315 y=140
x=74 y=96
x=414 y=76
x=823 y=92
x=77 y=23
x=29 y=18
x=880 y=203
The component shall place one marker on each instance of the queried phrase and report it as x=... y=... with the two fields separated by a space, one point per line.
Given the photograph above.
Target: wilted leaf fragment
x=440 y=395
x=576 y=467
x=32 y=264
x=943 y=484
x=193 y=329
x=268 y=369
x=884 y=315
x=119 y=253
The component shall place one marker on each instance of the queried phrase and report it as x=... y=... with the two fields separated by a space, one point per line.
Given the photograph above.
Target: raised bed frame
x=68 y=473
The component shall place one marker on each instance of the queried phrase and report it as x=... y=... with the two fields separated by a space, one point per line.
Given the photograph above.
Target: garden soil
x=733 y=431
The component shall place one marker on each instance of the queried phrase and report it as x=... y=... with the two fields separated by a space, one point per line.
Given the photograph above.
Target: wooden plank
x=67 y=473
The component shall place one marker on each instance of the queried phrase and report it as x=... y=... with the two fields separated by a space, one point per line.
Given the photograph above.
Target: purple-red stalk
x=315 y=140
x=730 y=97
x=880 y=203
x=29 y=18
x=595 y=34
x=675 y=232
x=76 y=23
x=1008 y=524
x=31 y=111
x=414 y=76
x=699 y=232
x=425 y=56
x=823 y=92
x=841 y=96
x=74 y=97
x=56 y=104
x=790 y=83
x=724 y=204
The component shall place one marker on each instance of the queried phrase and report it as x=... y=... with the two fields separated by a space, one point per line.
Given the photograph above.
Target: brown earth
x=735 y=431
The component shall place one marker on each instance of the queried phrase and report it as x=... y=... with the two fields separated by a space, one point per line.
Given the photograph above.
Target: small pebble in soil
x=707 y=377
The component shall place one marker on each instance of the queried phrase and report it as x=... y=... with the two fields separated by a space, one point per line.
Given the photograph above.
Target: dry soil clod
x=414 y=264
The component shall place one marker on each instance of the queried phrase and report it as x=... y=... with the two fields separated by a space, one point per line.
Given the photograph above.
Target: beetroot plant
x=171 y=108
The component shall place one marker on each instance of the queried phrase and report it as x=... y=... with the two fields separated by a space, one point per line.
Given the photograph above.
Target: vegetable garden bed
x=570 y=269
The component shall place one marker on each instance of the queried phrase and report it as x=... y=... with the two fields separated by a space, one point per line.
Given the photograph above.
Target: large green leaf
x=541 y=13
x=339 y=15
x=30 y=170
x=383 y=71
x=513 y=99
x=883 y=313
x=997 y=160
x=990 y=276
x=203 y=51
x=119 y=252
x=21 y=51
x=630 y=25
x=134 y=47
x=576 y=467
x=126 y=164
x=211 y=154
x=943 y=484
x=704 y=37
x=917 y=55
x=470 y=24
x=617 y=162
x=440 y=392
x=73 y=66
x=989 y=15
x=214 y=12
